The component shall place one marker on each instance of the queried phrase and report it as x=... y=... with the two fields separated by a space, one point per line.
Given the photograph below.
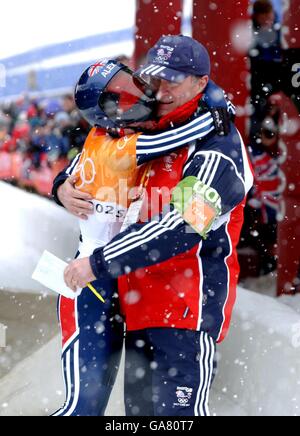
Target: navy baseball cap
x=174 y=58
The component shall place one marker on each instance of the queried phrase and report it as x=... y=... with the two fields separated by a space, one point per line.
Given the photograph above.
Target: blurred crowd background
x=37 y=138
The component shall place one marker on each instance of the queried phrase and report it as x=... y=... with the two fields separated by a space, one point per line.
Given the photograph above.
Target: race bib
x=103 y=225
x=198 y=204
x=109 y=211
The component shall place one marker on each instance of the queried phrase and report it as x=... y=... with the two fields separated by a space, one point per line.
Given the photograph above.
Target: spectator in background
x=6 y=143
x=77 y=130
x=21 y=133
x=260 y=229
x=63 y=127
x=38 y=144
x=51 y=108
x=69 y=104
x=43 y=131
x=33 y=115
x=266 y=61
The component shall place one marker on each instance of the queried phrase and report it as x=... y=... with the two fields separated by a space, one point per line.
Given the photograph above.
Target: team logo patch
x=184 y=396
x=164 y=54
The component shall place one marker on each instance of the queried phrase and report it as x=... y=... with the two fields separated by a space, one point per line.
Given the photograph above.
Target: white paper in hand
x=50 y=273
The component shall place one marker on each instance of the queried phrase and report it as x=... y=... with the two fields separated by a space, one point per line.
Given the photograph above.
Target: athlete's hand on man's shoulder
x=75 y=201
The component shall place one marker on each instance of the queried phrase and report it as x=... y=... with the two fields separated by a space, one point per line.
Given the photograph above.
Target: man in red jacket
x=179 y=270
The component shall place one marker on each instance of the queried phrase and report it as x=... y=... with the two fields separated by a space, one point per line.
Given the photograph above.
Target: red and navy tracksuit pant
x=168 y=372
x=93 y=337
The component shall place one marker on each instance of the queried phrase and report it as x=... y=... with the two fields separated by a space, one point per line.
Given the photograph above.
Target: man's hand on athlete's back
x=75 y=201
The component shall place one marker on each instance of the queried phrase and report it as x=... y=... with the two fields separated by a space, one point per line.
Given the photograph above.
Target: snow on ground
x=291 y=301
x=259 y=363
x=31 y=322
x=265 y=285
x=260 y=359
x=259 y=367
x=21 y=394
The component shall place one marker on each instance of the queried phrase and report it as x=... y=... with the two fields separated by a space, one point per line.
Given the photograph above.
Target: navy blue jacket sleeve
x=218 y=171
x=144 y=245
x=149 y=147
x=214 y=116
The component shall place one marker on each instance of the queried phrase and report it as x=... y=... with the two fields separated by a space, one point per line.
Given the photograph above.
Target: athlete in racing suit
x=92 y=332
